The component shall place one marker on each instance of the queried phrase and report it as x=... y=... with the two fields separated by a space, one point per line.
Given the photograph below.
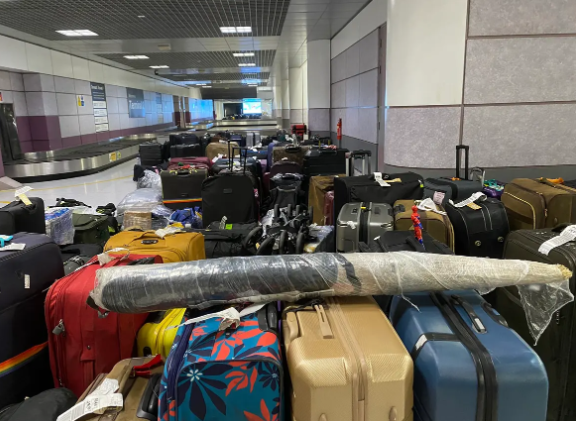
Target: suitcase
x=285 y=167
x=405 y=241
x=236 y=374
x=362 y=222
x=346 y=363
x=196 y=162
x=556 y=346
x=26 y=275
x=468 y=365
x=238 y=138
x=150 y=153
x=18 y=217
x=438 y=226
x=221 y=148
x=271 y=146
x=325 y=162
x=320 y=185
x=181 y=151
x=81 y=343
x=479 y=232
x=91 y=229
x=299 y=129
x=138 y=380
x=157 y=335
x=328 y=209
x=220 y=191
x=493 y=188
x=184 y=184
x=179 y=247
x=291 y=153
x=77 y=255
x=443 y=189
x=46 y=406
x=537 y=204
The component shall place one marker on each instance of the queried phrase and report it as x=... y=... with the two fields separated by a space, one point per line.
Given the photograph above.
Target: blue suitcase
x=468 y=365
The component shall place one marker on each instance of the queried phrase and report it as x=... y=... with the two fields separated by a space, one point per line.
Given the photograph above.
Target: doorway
x=9 y=141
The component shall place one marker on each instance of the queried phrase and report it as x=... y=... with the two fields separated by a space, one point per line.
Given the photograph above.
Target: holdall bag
x=183 y=184
x=178 y=247
x=91 y=229
x=480 y=228
x=26 y=275
x=537 y=204
x=436 y=223
x=220 y=148
x=291 y=152
x=362 y=222
x=138 y=380
x=81 y=343
x=19 y=217
x=214 y=374
x=556 y=346
x=157 y=335
x=468 y=364
x=346 y=363
x=46 y=406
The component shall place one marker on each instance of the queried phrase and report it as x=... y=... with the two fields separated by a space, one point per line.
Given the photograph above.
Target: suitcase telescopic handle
x=459 y=149
x=476 y=322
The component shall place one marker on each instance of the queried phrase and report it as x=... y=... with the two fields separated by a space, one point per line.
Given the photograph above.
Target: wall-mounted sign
x=101 y=120
x=80 y=100
x=100 y=112
x=100 y=106
x=136 y=103
x=113 y=156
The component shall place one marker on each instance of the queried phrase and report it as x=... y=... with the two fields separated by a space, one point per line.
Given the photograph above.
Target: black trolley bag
x=182 y=186
x=443 y=189
x=150 y=153
x=26 y=276
x=187 y=150
x=557 y=345
x=230 y=194
x=325 y=161
x=19 y=217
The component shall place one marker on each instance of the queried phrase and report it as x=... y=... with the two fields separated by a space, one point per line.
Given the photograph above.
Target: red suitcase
x=329 y=208
x=81 y=344
x=299 y=129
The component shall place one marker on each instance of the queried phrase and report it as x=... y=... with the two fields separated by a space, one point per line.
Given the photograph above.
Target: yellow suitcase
x=155 y=337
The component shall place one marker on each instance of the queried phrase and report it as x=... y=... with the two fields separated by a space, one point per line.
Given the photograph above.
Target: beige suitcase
x=347 y=363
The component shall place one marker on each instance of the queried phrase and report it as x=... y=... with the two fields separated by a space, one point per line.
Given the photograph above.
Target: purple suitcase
x=492 y=191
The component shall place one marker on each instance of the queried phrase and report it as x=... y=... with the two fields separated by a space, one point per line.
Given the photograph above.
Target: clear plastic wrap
x=60 y=225
x=150 y=180
x=135 y=218
x=544 y=288
x=143 y=200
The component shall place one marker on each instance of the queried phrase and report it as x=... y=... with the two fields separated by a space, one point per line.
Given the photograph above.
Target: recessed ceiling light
x=160 y=67
x=136 y=57
x=243 y=54
x=141 y=16
x=246 y=64
x=243 y=29
x=78 y=33
x=206 y=86
x=228 y=29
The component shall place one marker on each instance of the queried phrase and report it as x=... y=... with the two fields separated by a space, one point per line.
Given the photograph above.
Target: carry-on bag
x=480 y=228
x=237 y=372
x=468 y=364
x=91 y=229
x=157 y=335
x=178 y=247
x=346 y=362
x=318 y=187
x=138 y=381
x=182 y=185
x=81 y=343
x=435 y=221
x=150 y=153
x=443 y=189
x=537 y=204
x=362 y=222
x=46 y=406
x=26 y=275
x=557 y=345
x=325 y=161
x=19 y=217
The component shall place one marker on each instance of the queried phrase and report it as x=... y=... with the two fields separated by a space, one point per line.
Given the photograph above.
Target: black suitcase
x=443 y=189
x=150 y=153
x=557 y=345
x=285 y=167
x=77 y=255
x=18 y=217
x=26 y=276
x=230 y=195
x=479 y=232
x=183 y=184
x=183 y=151
x=325 y=162
x=46 y=406
x=253 y=165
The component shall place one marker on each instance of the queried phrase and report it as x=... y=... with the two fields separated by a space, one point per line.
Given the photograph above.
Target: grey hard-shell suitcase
x=362 y=222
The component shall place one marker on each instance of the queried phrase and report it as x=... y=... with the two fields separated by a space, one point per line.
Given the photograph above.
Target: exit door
x=9 y=141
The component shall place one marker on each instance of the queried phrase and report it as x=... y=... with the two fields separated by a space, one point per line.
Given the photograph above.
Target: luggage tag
x=171 y=230
x=230 y=317
x=21 y=194
x=428 y=205
x=476 y=196
x=10 y=247
x=378 y=178
x=94 y=404
x=566 y=236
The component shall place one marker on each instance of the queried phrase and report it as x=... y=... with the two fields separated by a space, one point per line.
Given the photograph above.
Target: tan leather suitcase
x=319 y=186
x=438 y=226
x=346 y=363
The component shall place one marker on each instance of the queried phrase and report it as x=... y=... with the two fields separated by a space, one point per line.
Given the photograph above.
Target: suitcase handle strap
x=476 y=322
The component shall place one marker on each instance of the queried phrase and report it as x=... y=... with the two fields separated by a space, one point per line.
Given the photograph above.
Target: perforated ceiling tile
x=207 y=59
x=118 y=19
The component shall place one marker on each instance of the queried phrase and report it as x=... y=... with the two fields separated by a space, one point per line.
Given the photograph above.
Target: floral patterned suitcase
x=232 y=375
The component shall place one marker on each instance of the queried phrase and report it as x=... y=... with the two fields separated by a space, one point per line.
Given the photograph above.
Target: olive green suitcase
x=91 y=229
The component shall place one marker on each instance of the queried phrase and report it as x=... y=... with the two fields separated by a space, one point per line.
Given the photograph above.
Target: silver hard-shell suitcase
x=362 y=222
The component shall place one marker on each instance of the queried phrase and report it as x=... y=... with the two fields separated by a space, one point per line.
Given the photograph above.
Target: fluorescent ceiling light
x=78 y=33
x=160 y=67
x=141 y=16
x=236 y=29
x=246 y=64
x=243 y=54
x=206 y=86
x=136 y=57
x=228 y=29
x=252 y=85
x=243 y=29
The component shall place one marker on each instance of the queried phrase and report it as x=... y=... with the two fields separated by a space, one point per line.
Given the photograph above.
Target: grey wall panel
x=368 y=93
x=353 y=60
x=521 y=135
x=368 y=52
x=422 y=137
x=352 y=91
x=368 y=124
x=350 y=125
x=319 y=119
x=521 y=70
x=296 y=116
x=338 y=68
x=509 y=17
x=338 y=97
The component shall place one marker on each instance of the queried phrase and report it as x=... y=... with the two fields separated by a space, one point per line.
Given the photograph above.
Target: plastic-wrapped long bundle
x=543 y=288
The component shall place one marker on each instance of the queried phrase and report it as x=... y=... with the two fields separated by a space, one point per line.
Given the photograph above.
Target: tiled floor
x=109 y=186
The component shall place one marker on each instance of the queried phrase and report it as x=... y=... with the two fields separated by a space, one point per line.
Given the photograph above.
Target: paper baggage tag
x=13 y=247
x=167 y=231
x=21 y=194
x=231 y=317
x=476 y=196
x=428 y=205
x=93 y=404
x=438 y=197
x=26 y=281
x=378 y=178
x=567 y=235
x=107 y=387
x=474 y=206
